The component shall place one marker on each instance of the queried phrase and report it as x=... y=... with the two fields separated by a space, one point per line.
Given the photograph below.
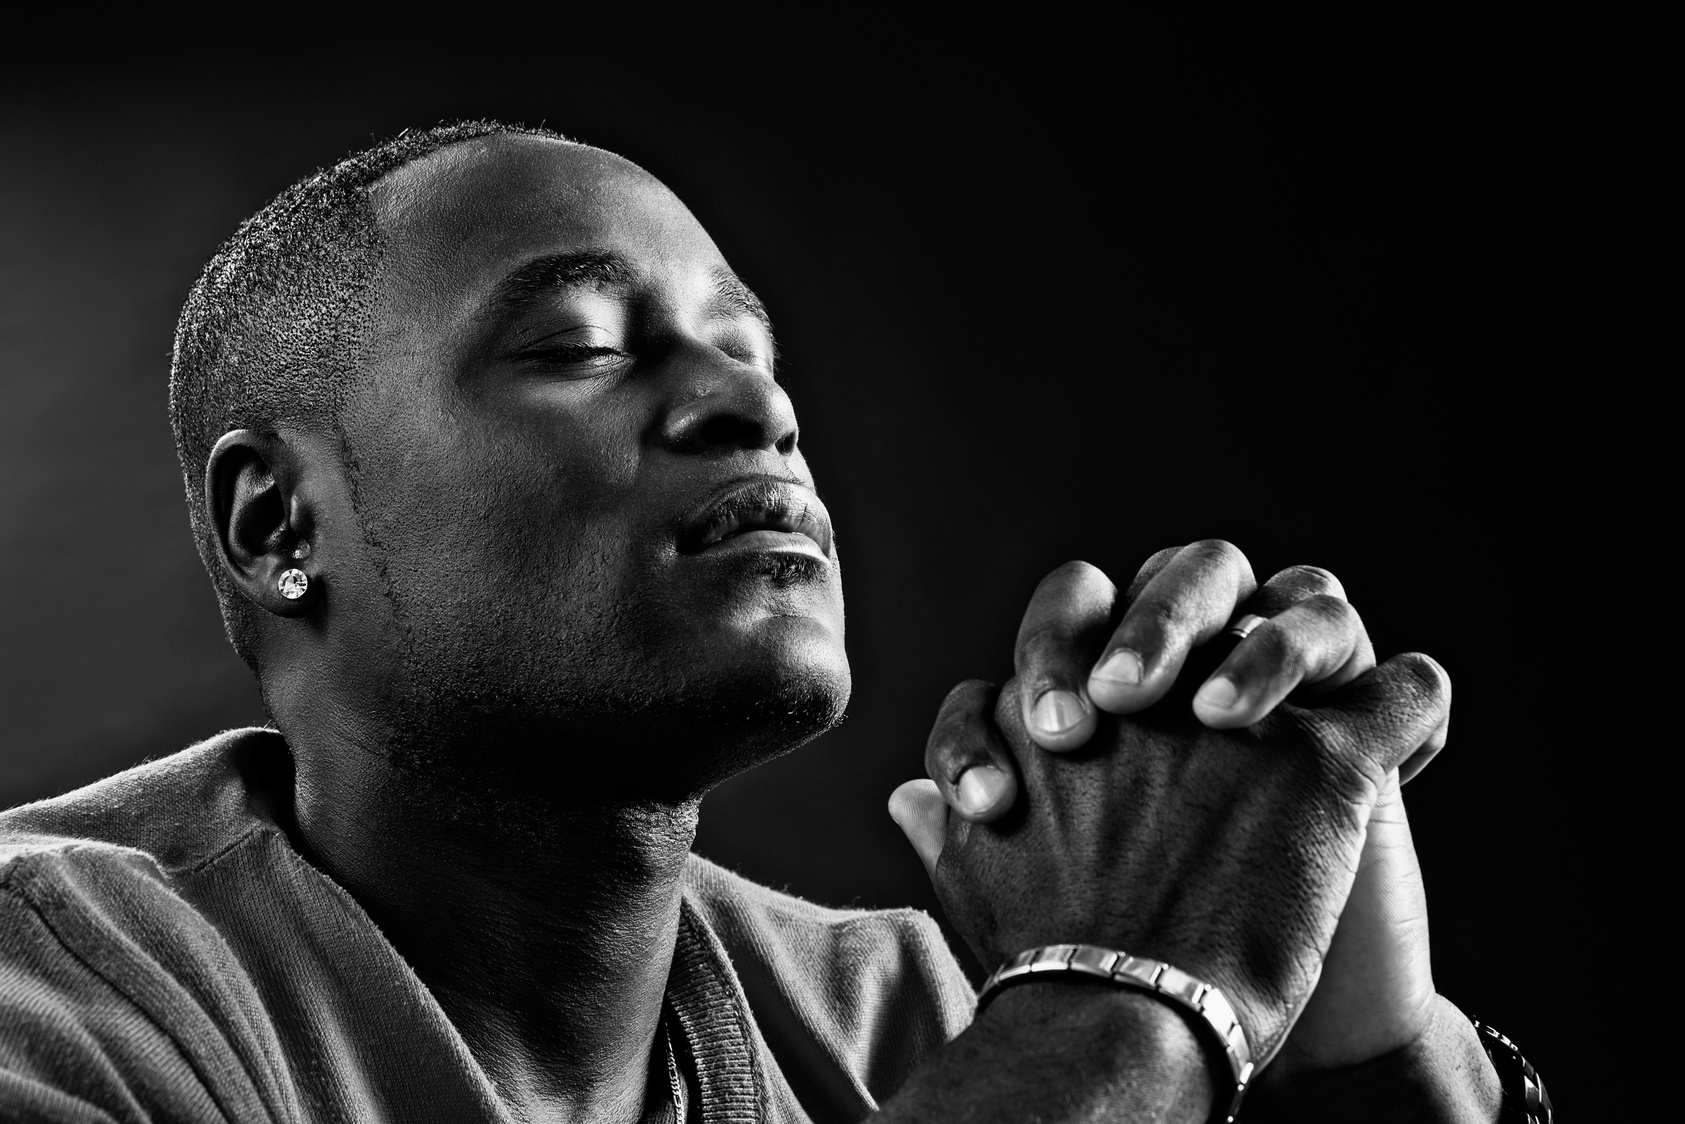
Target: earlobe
x=260 y=522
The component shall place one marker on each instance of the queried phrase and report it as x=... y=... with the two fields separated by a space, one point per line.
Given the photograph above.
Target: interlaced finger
x=966 y=756
x=1148 y=571
x=1289 y=587
x=1186 y=602
x=1315 y=640
x=1062 y=631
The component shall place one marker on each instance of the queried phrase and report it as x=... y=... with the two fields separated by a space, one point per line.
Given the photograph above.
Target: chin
x=661 y=708
x=790 y=687
x=808 y=695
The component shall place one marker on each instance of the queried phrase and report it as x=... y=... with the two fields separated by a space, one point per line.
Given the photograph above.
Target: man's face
x=579 y=482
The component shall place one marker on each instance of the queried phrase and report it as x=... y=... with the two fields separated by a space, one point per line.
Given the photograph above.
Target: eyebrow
x=737 y=297
x=544 y=276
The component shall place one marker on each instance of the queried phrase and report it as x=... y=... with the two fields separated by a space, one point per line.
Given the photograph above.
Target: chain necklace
x=674 y=1082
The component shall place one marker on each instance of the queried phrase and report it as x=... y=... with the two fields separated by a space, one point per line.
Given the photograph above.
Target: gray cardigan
x=165 y=954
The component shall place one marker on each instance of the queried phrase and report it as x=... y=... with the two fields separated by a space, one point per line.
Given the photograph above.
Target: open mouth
x=762 y=503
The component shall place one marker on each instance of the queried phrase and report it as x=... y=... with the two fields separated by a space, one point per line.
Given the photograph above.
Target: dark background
x=1038 y=302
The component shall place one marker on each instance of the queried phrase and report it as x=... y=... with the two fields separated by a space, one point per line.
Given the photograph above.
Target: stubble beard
x=587 y=720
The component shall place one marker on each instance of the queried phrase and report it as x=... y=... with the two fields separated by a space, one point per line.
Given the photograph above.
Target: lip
x=758 y=512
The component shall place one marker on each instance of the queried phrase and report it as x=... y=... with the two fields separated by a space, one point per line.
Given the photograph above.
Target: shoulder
x=112 y=857
x=877 y=989
x=116 y=993
x=106 y=873
x=177 y=811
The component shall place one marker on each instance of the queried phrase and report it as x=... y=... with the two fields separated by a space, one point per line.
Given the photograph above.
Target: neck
x=544 y=927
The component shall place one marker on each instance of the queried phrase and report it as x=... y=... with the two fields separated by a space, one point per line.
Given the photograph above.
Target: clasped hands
x=1249 y=831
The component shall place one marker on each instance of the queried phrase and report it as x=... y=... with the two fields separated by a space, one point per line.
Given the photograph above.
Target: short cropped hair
x=273 y=330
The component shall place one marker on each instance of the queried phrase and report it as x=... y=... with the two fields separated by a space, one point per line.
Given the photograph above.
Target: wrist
x=1063 y=1051
x=1204 y=1007
x=1141 y=1044
x=1443 y=1075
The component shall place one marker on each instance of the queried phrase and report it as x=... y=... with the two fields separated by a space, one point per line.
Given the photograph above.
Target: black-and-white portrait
x=859 y=580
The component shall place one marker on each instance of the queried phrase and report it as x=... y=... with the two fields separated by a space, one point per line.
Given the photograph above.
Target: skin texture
x=1374 y=998
x=1181 y=842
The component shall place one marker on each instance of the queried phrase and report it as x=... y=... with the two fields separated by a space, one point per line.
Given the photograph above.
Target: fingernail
x=1057 y=711
x=1218 y=693
x=1122 y=666
x=980 y=787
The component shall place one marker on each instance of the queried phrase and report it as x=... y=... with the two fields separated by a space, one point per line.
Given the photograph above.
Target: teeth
x=763 y=523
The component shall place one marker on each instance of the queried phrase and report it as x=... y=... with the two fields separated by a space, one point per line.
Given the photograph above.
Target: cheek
x=495 y=519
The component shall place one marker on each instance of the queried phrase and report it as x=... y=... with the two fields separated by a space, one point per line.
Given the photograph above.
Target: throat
x=545 y=933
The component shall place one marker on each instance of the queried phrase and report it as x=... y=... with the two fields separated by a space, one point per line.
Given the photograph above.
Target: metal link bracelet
x=1104 y=964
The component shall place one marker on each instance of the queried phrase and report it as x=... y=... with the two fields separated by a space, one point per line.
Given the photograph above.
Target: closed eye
x=592 y=358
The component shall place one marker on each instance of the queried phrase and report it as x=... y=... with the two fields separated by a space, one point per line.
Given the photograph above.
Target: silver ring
x=1243 y=628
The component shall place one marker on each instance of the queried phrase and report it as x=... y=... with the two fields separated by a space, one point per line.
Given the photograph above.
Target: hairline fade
x=273 y=329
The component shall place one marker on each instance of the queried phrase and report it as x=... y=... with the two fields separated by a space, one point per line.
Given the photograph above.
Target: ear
x=261 y=522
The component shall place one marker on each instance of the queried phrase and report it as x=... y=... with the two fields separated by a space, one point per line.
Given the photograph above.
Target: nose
x=730 y=407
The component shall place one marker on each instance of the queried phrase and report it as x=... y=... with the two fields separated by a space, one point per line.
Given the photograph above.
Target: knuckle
x=968 y=693
x=1310 y=579
x=1331 y=609
x=1073 y=573
x=1160 y=557
x=1220 y=551
x=1150 y=569
x=1428 y=681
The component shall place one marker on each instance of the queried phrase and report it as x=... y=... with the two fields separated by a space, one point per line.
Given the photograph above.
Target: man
x=507 y=512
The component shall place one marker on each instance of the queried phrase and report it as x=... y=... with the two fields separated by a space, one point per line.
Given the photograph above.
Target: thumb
x=918 y=808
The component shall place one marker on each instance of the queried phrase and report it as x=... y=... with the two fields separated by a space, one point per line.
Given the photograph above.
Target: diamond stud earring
x=293 y=583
